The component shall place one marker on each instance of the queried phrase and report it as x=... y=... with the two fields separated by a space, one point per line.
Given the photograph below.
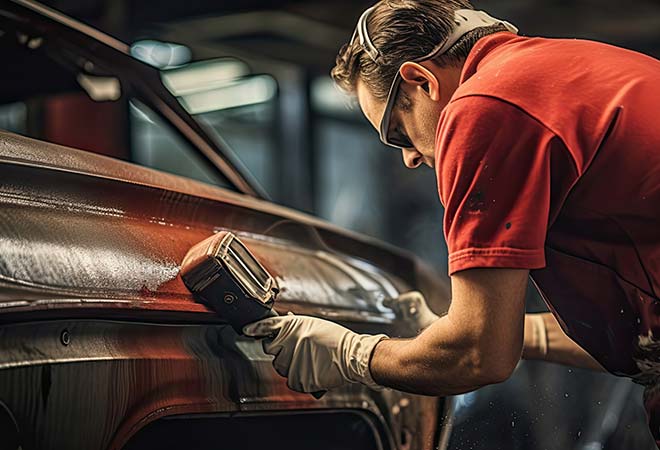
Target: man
x=547 y=154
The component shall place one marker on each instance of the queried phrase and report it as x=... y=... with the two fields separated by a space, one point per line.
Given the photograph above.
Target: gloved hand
x=316 y=354
x=413 y=308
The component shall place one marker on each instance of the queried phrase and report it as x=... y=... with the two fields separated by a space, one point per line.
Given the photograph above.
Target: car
x=101 y=344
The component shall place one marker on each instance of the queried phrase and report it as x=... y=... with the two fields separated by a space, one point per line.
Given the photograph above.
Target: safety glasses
x=465 y=20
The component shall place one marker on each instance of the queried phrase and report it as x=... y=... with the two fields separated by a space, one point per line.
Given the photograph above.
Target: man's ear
x=417 y=75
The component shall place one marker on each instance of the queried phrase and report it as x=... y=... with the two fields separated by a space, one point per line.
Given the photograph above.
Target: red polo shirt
x=548 y=158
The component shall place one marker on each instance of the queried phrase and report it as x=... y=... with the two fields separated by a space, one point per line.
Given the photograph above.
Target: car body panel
x=91 y=247
x=114 y=236
x=113 y=378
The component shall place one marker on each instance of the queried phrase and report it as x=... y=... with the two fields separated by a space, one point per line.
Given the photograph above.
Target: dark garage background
x=309 y=150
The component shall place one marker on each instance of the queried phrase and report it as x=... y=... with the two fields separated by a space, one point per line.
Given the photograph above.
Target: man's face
x=418 y=122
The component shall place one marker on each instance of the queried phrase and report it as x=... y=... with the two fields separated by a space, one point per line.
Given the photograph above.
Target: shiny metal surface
x=92 y=240
x=85 y=239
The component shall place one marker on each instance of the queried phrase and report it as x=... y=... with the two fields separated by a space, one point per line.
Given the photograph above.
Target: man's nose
x=411 y=158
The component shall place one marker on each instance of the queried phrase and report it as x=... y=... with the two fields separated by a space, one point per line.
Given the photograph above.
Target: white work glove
x=412 y=307
x=315 y=354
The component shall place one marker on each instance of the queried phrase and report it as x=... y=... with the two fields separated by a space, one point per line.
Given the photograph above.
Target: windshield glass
x=234 y=106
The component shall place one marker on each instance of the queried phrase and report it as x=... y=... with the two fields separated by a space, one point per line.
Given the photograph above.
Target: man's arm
x=546 y=341
x=478 y=342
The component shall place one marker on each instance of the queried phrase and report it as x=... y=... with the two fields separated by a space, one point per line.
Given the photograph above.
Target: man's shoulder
x=529 y=71
x=487 y=113
x=572 y=87
x=519 y=69
x=476 y=126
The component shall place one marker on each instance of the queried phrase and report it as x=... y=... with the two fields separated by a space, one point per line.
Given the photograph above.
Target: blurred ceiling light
x=100 y=89
x=203 y=75
x=250 y=91
x=160 y=54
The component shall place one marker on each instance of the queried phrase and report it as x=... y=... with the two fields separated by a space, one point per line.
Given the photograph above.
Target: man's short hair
x=403 y=30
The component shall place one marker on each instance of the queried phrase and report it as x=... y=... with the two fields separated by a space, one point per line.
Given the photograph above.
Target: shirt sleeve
x=495 y=166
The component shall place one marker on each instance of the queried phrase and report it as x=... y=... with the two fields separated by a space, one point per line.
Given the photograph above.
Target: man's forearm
x=434 y=363
x=551 y=344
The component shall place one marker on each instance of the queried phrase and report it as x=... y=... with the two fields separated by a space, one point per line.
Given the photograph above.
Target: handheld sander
x=222 y=273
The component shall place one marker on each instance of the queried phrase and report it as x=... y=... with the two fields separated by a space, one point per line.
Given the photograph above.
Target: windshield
x=234 y=106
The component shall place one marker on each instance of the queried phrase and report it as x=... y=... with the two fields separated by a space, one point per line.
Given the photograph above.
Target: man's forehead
x=371 y=107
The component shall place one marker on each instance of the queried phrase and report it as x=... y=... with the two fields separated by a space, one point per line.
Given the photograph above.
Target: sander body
x=221 y=273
